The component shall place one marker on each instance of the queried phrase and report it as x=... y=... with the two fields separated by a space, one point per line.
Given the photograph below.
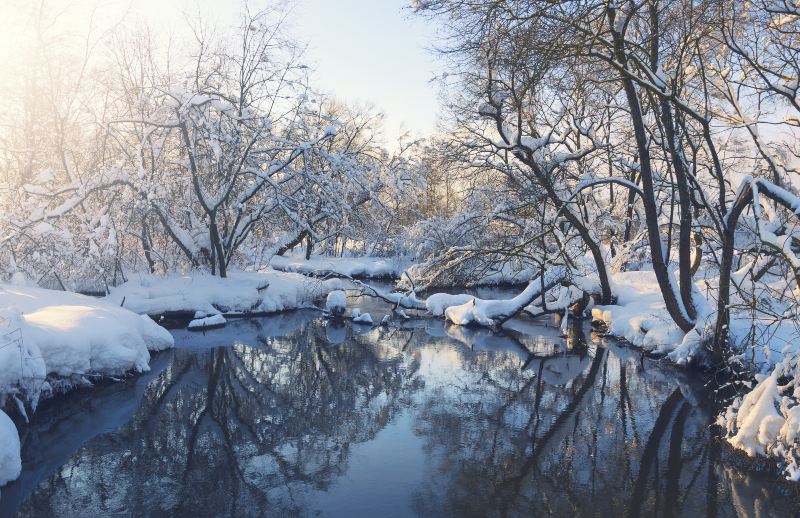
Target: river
x=296 y=415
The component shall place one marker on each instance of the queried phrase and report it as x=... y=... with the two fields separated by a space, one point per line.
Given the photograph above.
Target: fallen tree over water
x=465 y=309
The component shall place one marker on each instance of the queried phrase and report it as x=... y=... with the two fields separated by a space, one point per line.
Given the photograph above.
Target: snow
x=758 y=422
x=361 y=318
x=10 y=461
x=766 y=422
x=491 y=312
x=439 y=302
x=66 y=334
x=336 y=302
x=640 y=315
x=204 y=322
x=357 y=267
x=241 y=292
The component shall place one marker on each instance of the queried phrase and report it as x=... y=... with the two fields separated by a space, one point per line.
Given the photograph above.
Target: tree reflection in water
x=265 y=417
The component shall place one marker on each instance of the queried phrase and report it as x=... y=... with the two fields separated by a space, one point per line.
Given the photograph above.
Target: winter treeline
x=123 y=153
x=602 y=138
x=610 y=136
x=584 y=138
x=641 y=155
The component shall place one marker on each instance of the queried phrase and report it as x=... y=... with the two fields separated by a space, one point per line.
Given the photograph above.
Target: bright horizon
x=392 y=72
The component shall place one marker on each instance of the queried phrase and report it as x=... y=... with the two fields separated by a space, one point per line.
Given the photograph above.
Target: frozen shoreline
x=53 y=341
x=356 y=267
x=65 y=337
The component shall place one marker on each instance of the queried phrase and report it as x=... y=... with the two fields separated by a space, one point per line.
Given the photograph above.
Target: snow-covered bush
x=766 y=420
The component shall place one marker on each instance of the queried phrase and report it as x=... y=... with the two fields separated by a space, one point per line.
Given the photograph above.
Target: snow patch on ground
x=246 y=292
x=640 y=315
x=356 y=267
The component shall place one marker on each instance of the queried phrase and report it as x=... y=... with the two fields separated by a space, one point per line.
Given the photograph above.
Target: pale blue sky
x=361 y=51
x=372 y=51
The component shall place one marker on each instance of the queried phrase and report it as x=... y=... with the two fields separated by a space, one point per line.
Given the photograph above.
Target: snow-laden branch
x=493 y=312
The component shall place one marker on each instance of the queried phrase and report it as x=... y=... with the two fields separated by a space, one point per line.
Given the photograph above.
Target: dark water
x=291 y=415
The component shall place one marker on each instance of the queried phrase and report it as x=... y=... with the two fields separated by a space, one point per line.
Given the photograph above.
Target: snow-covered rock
x=207 y=322
x=10 y=462
x=361 y=318
x=336 y=302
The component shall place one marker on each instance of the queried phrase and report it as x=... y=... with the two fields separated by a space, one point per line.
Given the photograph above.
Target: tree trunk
x=685 y=272
x=675 y=306
x=147 y=246
x=597 y=255
x=293 y=243
x=216 y=245
x=673 y=301
x=309 y=245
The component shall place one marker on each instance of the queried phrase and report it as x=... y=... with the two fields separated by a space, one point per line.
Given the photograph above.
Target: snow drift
x=62 y=334
x=53 y=339
x=10 y=463
x=241 y=292
x=356 y=267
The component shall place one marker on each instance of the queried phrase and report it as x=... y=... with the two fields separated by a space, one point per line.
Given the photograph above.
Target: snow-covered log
x=495 y=312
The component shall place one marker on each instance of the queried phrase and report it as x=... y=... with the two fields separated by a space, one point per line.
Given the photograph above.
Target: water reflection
x=292 y=415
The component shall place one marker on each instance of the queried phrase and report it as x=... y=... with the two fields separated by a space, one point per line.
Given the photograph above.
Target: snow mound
x=439 y=302
x=206 y=322
x=362 y=318
x=758 y=423
x=336 y=302
x=10 y=462
x=245 y=292
x=86 y=339
x=67 y=334
x=766 y=421
x=640 y=315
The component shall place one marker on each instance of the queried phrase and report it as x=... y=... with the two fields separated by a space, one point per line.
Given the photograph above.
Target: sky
x=373 y=51
x=360 y=51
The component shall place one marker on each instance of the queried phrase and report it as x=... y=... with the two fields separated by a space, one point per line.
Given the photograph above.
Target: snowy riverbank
x=763 y=422
x=52 y=341
x=356 y=267
x=241 y=293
